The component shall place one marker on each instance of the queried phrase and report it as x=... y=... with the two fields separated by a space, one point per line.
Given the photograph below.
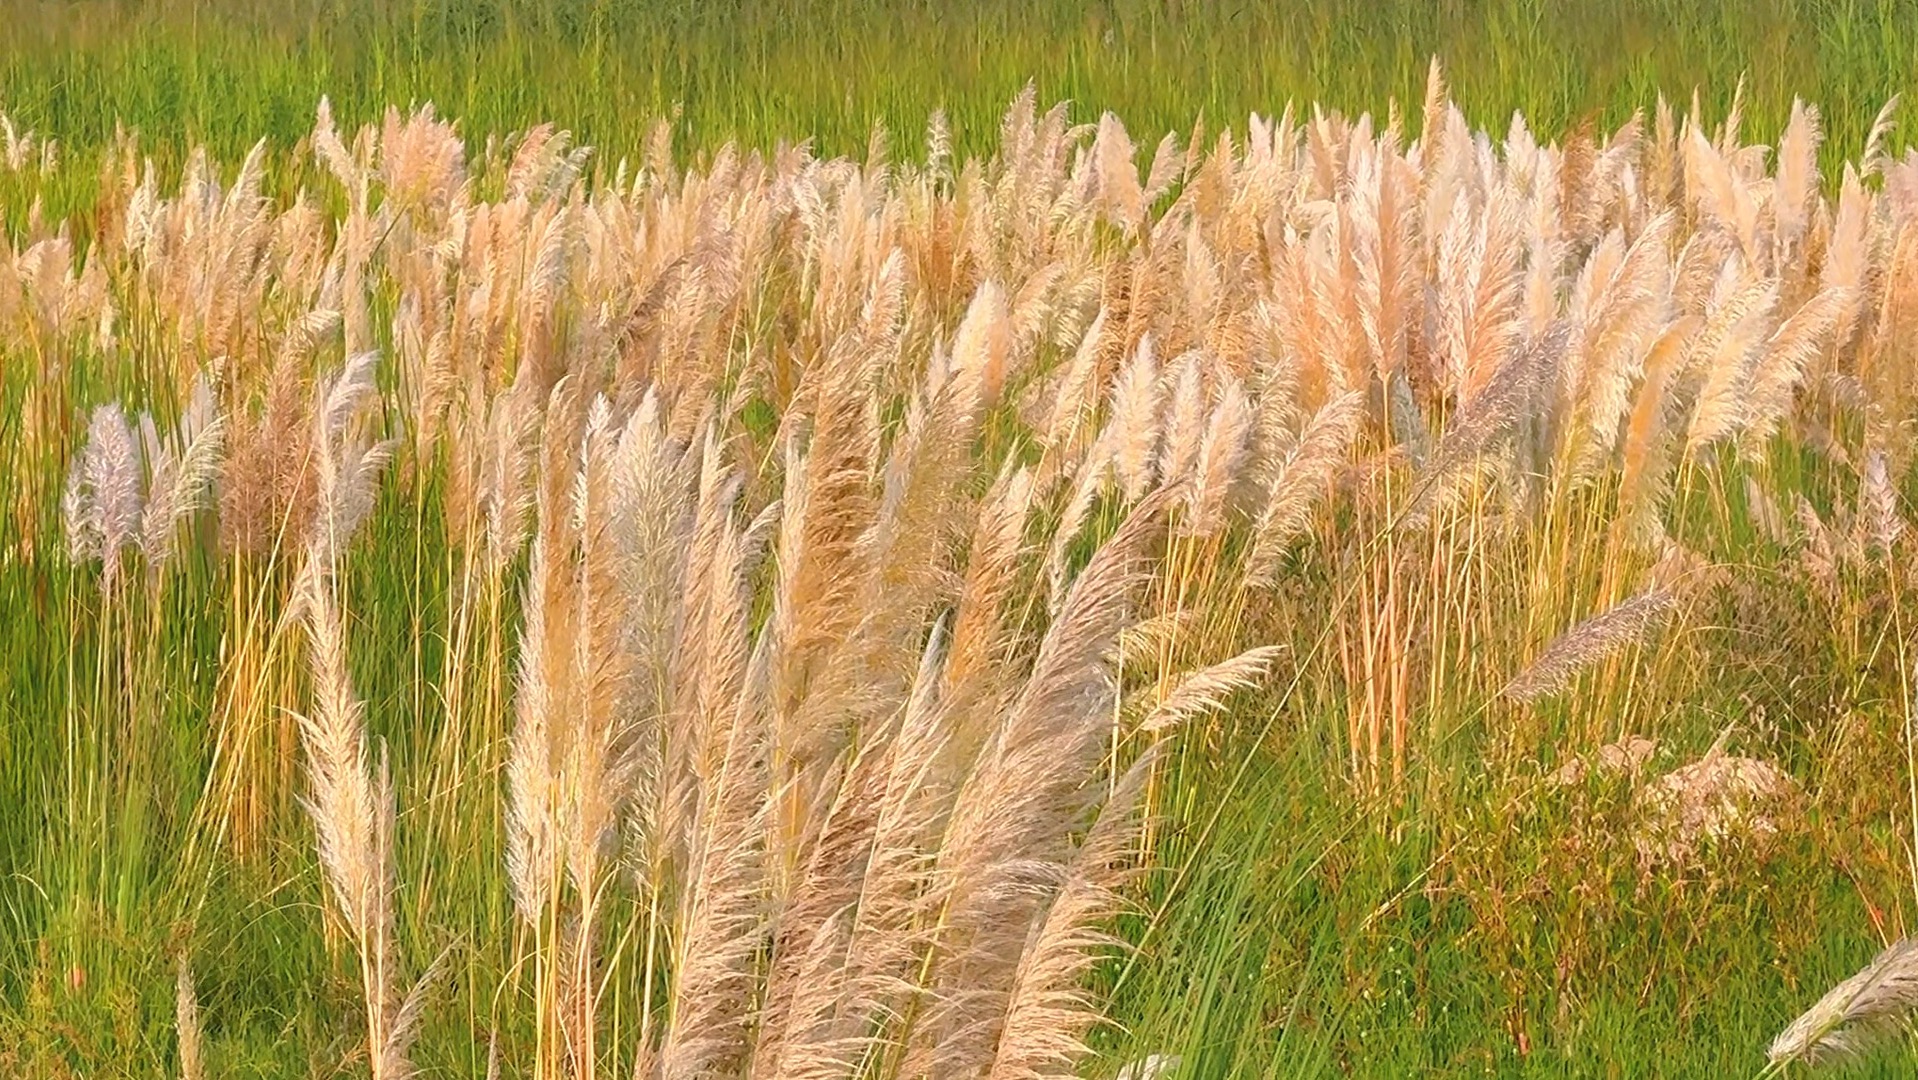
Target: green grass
x=228 y=72
x=1453 y=931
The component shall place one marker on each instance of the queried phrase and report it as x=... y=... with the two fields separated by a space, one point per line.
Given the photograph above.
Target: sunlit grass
x=1449 y=913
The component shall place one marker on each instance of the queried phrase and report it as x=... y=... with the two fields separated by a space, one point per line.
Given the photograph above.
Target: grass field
x=862 y=573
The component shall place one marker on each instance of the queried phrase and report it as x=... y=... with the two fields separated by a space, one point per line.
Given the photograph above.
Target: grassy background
x=230 y=71
x=1455 y=933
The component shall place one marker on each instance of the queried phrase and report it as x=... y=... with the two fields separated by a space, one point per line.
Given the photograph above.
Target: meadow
x=893 y=540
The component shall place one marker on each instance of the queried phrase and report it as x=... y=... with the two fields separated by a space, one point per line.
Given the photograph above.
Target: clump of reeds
x=350 y=795
x=129 y=489
x=614 y=516
x=884 y=519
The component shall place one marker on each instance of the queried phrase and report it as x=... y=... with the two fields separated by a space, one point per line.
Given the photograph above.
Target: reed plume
x=186 y=1021
x=1590 y=642
x=1857 y=1012
x=1004 y=841
x=1048 y=1011
x=1205 y=690
x=1300 y=473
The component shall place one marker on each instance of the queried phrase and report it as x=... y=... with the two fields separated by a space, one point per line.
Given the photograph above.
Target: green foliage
x=233 y=71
